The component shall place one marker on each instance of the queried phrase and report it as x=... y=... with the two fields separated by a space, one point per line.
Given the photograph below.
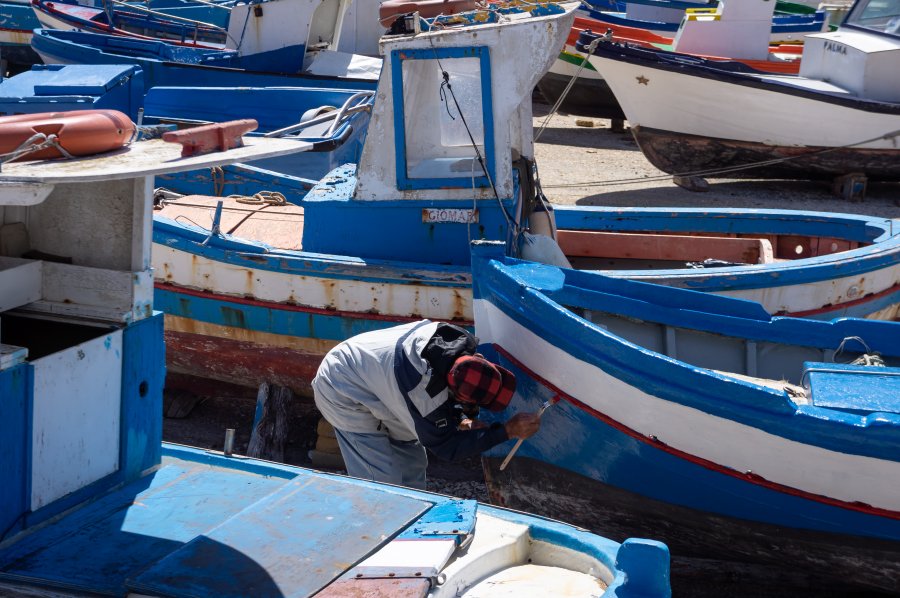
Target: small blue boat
x=93 y=503
x=744 y=436
x=270 y=43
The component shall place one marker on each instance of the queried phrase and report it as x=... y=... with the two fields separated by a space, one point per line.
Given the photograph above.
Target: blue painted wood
x=165 y=64
x=751 y=404
x=643 y=467
x=143 y=378
x=451 y=518
x=854 y=388
x=16 y=388
x=292 y=543
x=102 y=544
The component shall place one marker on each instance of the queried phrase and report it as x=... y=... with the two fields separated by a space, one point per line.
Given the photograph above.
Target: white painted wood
x=521 y=48
x=77 y=396
x=144 y=158
x=727 y=443
x=142 y=224
x=362 y=295
x=119 y=296
x=20 y=282
x=737 y=29
x=709 y=108
x=427 y=554
x=22 y=194
x=11 y=355
x=863 y=63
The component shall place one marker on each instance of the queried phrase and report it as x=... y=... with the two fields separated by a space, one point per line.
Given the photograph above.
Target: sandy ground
x=577 y=165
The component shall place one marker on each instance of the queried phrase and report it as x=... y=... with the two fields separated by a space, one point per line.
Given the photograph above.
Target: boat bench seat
x=654 y=246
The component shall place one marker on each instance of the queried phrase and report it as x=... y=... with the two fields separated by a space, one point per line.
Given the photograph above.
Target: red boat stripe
x=827 y=308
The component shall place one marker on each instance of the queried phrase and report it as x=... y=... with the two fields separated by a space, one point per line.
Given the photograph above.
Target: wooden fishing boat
x=590 y=95
x=128 y=22
x=744 y=436
x=846 y=81
x=274 y=43
x=665 y=17
x=388 y=241
x=93 y=503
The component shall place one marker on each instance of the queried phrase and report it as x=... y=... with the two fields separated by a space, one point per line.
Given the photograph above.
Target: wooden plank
x=653 y=246
x=270 y=433
x=321 y=527
x=144 y=158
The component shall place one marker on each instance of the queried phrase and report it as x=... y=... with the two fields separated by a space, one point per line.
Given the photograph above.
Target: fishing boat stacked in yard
x=664 y=17
x=840 y=117
x=387 y=242
x=270 y=43
x=129 y=21
x=733 y=434
x=91 y=501
x=737 y=32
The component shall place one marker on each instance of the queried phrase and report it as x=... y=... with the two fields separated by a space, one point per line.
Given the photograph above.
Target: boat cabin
x=861 y=57
x=81 y=348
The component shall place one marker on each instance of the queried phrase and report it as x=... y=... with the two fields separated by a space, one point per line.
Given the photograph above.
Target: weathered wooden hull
x=678 y=402
x=535 y=486
x=735 y=118
x=245 y=317
x=676 y=152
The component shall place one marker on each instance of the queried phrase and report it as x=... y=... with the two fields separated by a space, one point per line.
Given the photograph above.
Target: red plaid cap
x=476 y=380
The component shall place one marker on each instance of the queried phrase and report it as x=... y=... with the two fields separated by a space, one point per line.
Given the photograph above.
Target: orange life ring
x=390 y=10
x=79 y=132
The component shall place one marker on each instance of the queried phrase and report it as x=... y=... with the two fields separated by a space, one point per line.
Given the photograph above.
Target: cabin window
x=882 y=16
x=436 y=125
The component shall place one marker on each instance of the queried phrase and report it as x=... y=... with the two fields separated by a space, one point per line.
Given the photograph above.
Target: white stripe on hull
x=693 y=105
x=724 y=442
x=421 y=300
x=15 y=38
x=194 y=271
x=799 y=298
x=50 y=22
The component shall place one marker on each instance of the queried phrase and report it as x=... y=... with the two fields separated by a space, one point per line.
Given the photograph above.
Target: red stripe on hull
x=746 y=477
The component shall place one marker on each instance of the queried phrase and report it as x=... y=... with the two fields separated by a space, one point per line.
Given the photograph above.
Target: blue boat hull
x=669 y=415
x=165 y=65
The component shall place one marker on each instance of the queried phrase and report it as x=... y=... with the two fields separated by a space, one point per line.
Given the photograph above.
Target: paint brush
x=521 y=440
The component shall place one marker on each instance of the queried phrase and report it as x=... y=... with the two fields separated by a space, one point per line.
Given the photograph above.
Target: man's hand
x=523 y=425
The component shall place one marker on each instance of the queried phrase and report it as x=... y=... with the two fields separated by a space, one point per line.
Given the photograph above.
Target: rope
x=270 y=198
x=35 y=143
x=218 y=180
x=562 y=96
x=726 y=170
x=446 y=83
x=867 y=358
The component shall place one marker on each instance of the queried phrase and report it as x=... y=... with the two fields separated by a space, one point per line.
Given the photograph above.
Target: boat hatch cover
x=855 y=388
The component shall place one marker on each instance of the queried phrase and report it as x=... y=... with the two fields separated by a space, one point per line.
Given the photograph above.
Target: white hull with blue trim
x=744 y=436
x=729 y=121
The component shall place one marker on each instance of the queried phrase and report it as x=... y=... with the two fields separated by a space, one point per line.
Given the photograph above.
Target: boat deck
x=218 y=530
